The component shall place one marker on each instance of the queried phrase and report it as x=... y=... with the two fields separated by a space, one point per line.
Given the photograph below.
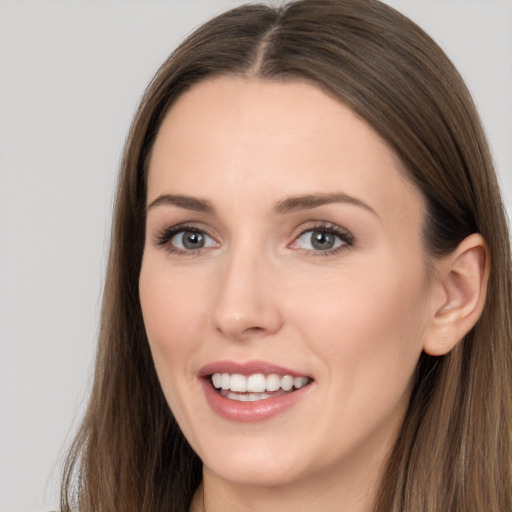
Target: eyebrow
x=187 y=202
x=288 y=205
x=307 y=202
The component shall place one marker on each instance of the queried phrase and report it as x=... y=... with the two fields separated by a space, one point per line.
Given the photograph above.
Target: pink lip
x=247 y=368
x=249 y=412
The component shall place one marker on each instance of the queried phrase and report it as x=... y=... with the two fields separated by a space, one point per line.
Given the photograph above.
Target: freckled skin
x=354 y=320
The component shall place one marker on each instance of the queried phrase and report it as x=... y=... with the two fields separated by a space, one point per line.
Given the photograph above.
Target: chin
x=253 y=464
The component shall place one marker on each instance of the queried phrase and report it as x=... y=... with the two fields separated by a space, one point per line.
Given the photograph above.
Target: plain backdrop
x=71 y=73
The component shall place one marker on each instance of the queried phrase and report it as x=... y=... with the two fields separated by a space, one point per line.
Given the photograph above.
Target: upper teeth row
x=256 y=383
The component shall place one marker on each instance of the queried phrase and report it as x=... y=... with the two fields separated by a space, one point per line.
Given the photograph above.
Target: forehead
x=232 y=137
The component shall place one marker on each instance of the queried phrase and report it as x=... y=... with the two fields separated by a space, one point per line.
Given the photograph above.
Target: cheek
x=171 y=307
x=366 y=334
x=368 y=326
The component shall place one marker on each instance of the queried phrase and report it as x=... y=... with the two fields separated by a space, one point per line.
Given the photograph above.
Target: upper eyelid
x=162 y=236
x=328 y=226
x=341 y=233
x=187 y=226
x=323 y=225
x=163 y=239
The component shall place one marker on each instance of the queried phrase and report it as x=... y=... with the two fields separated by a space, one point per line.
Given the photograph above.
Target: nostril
x=241 y=327
x=242 y=307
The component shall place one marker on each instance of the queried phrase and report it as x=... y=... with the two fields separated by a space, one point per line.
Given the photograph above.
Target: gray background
x=71 y=73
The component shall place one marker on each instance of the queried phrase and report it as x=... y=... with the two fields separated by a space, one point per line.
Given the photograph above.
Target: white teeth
x=273 y=382
x=225 y=381
x=240 y=398
x=238 y=383
x=299 y=382
x=256 y=383
x=217 y=380
x=252 y=397
x=287 y=382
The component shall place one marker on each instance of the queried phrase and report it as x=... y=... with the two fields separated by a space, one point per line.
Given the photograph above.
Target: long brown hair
x=454 y=451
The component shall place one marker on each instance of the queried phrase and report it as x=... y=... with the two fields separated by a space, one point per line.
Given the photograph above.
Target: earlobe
x=462 y=277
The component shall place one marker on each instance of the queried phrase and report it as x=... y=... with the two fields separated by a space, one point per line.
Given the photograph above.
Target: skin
x=356 y=320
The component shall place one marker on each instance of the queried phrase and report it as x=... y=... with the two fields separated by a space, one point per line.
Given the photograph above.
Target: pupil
x=321 y=240
x=192 y=240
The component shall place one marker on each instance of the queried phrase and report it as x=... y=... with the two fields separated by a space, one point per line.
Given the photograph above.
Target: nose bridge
x=244 y=305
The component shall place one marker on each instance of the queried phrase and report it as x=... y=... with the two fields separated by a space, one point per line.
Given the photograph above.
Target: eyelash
x=163 y=237
x=345 y=236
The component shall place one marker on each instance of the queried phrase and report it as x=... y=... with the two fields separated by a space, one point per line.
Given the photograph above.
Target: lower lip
x=250 y=412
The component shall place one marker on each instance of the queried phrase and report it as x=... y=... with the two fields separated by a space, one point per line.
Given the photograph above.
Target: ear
x=461 y=279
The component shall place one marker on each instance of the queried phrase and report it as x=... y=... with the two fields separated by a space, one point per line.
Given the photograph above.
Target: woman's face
x=283 y=255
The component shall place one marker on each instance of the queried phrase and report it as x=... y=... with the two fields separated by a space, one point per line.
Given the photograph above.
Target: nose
x=245 y=306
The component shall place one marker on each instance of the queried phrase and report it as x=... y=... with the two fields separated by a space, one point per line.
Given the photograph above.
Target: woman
x=308 y=301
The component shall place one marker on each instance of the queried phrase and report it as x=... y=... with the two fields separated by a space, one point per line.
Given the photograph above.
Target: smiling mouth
x=257 y=386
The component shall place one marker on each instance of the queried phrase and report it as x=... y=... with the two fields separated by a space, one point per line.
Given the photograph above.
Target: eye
x=318 y=240
x=184 y=239
x=191 y=240
x=323 y=239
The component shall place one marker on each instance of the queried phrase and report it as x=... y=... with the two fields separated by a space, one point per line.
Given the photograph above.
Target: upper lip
x=247 y=368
